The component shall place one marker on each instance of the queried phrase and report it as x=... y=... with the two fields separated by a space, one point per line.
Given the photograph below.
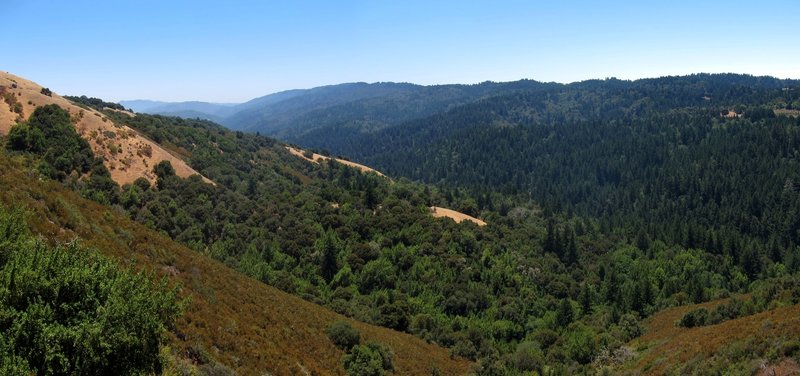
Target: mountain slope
x=244 y=324
x=304 y=116
x=193 y=109
x=725 y=347
x=533 y=290
x=125 y=153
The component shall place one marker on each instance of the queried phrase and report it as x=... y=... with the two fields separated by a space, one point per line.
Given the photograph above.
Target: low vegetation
x=343 y=335
x=68 y=310
x=765 y=295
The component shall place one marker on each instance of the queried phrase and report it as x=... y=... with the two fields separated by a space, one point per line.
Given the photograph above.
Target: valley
x=588 y=221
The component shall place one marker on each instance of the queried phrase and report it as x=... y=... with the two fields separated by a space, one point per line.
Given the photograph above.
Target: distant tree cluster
x=94 y=103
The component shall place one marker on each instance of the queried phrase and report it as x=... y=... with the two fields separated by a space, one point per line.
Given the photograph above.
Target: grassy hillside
x=239 y=322
x=125 y=153
x=740 y=346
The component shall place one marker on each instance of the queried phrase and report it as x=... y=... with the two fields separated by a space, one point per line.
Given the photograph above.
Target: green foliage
x=581 y=345
x=22 y=137
x=95 y=103
x=343 y=335
x=697 y=317
x=371 y=359
x=573 y=257
x=65 y=155
x=528 y=357
x=66 y=310
x=767 y=294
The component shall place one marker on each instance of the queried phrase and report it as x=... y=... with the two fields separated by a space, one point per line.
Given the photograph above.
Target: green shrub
x=66 y=310
x=343 y=335
x=372 y=359
x=528 y=357
x=696 y=317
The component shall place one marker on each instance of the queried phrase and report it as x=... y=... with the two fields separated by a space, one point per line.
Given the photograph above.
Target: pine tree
x=564 y=315
x=330 y=253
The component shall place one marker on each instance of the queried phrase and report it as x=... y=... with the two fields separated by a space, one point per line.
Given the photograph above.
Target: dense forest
x=701 y=161
x=605 y=206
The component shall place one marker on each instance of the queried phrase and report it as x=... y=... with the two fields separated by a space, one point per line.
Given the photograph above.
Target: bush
x=372 y=359
x=630 y=327
x=528 y=357
x=66 y=310
x=697 y=317
x=343 y=335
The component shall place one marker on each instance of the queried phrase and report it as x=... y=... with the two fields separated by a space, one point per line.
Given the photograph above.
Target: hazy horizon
x=232 y=52
x=443 y=84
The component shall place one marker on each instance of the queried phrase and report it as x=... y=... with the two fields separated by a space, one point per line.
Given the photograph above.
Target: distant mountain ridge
x=363 y=107
x=334 y=116
x=190 y=109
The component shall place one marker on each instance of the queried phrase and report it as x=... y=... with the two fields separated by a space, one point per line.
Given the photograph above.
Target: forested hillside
x=530 y=291
x=603 y=207
x=352 y=108
x=701 y=161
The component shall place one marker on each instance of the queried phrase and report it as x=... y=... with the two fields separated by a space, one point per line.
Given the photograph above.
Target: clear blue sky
x=230 y=51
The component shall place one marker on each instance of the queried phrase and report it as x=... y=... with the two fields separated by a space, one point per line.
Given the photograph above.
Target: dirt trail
x=316 y=158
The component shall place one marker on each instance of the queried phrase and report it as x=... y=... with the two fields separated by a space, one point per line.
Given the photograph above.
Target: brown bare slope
x=126 y=154
x=665 y=347
x=250 y=327
x=458 y=217
x=316 y=158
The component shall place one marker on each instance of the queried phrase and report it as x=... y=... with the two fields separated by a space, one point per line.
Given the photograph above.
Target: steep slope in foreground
x=730 y=345
x=242 y=323
x=125 y=153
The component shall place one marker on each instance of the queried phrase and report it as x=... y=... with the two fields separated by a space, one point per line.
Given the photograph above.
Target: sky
x=233 y=51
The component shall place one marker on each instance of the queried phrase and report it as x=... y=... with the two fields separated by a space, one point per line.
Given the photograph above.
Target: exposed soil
x=127 y=155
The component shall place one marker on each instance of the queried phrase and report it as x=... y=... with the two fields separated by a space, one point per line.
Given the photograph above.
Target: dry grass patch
x=439 y=212
x=785 y=112
x=317 y=158
x=90 y=122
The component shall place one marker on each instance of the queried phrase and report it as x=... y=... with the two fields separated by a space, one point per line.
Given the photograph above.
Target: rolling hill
x=351 y=107
x=204 y=110
x=125 y=153
x=231 y=320
x=627 y=214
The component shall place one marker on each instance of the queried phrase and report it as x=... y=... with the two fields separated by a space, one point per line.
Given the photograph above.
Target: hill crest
x=125 y=152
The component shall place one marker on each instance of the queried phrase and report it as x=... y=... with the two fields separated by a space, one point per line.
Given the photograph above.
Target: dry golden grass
x=666 y=346
x=245 y=324
x=454 y=215
x=785 y=112
x=317 y=158
x=122 y=154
